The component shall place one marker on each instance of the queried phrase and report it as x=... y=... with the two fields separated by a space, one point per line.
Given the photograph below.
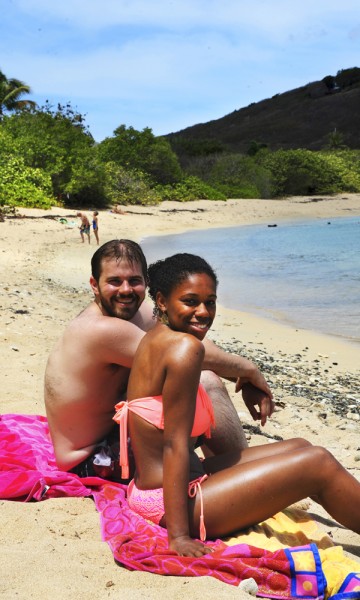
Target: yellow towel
x=294 y=527
x=291 y=527
x=336 y=567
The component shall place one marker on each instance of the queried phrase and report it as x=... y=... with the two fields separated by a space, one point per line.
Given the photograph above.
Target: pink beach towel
x=28 y=471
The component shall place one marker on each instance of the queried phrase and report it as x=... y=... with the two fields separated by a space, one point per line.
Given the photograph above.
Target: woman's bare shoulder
x=184 y=347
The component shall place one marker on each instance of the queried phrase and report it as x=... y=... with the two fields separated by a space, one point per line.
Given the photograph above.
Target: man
x=88 y=369
x=84 y=226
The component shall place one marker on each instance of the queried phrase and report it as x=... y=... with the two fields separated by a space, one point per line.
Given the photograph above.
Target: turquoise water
x=306 y=274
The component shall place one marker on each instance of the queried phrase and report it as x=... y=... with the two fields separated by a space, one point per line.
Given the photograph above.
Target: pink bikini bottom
x=146 y=503
x=149 y=504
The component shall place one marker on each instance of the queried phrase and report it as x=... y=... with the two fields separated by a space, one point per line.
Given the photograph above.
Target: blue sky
x=169 y=64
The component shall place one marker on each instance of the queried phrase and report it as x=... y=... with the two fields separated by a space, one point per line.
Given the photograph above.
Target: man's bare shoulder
x=94 y=324
x=143 y=319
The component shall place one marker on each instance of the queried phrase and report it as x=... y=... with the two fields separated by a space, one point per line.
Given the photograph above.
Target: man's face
x=120 y=289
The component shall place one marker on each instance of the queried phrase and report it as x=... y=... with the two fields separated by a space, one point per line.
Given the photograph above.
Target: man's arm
x=144 y=317
x=247 y=377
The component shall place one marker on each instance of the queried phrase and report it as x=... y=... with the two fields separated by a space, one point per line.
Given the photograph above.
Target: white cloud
x=168 y=64
x=164 y=63
x=272 y=16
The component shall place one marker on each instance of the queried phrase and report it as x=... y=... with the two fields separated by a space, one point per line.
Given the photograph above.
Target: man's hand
x=254 y=377
x=253 y=396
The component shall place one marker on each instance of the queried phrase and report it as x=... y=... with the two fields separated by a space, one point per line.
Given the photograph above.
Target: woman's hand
x=186 y=546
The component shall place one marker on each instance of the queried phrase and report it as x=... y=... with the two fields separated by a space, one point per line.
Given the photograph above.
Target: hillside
x=300 y=118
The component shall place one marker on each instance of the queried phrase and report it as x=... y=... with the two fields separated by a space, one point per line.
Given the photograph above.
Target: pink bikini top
x=151 y=410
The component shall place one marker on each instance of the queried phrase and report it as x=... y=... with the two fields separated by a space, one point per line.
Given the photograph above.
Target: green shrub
x=346 y=165
x=190 y=188
x=55 y=141
x=239 y=176
x=24 y=186
x=131 y=186
x=247 y=190
x=302 y=172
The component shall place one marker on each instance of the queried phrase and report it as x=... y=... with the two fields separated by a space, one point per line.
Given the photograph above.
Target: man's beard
x=121 y=311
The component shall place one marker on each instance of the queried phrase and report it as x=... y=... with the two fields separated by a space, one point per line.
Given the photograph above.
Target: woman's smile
x=191 y=306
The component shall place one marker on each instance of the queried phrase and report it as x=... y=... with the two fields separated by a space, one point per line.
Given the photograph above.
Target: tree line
x=48 y=157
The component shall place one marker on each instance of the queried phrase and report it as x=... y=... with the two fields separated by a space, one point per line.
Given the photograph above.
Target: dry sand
x=54 y=547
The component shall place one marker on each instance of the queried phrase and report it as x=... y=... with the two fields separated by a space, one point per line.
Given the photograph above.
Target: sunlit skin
x=87 y=370
x=241 y=490
x=120 y=290
x=191 y=306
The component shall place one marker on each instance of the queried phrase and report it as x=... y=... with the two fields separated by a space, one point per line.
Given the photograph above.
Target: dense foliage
x=48 y=157
x=301 y=172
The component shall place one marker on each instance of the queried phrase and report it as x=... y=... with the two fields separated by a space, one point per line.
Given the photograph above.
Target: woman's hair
x=118 y=250
x=165 y=275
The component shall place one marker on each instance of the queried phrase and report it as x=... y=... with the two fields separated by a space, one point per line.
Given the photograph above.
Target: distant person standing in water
x=95 y=224
x=84 y=227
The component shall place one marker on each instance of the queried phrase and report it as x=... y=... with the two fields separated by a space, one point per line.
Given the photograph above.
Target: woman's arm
x=179 y=397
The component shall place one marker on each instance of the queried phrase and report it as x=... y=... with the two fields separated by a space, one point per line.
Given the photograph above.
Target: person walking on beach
x=167 y=409
x=95 y=224
x=87 y=371
x=84 y=226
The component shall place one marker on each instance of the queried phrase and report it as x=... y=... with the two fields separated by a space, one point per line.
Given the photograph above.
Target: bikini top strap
x=121 y=417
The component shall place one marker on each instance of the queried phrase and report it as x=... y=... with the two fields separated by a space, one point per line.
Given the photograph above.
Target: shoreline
x=231 y=294
x=46 y=270
x=69 y=266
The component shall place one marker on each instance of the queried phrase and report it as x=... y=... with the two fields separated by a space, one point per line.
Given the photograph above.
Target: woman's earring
x=164 y=318
x=160 y=316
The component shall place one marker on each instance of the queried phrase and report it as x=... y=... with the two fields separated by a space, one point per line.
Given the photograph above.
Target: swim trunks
x=104 y=462
x=85 y=229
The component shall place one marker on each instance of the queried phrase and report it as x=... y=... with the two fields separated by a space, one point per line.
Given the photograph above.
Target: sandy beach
x=55 y=546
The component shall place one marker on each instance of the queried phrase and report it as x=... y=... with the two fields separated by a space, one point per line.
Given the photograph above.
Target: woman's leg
x=256 y=490
x=219 y=463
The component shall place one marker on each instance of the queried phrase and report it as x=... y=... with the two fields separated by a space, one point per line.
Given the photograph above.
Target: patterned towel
x=29 y=472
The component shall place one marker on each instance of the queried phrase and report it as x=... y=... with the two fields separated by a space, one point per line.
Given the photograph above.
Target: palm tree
x=11 y=92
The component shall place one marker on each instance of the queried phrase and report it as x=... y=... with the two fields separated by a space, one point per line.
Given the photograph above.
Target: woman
x=167 y=410
x=95 y=224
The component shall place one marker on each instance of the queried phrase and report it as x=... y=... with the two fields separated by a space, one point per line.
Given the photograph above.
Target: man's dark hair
x=165 y=275
x=118 y=250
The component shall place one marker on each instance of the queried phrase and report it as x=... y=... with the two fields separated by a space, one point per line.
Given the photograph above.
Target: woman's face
x=191 y=305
